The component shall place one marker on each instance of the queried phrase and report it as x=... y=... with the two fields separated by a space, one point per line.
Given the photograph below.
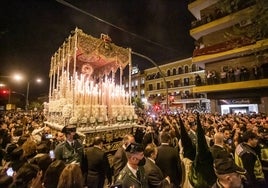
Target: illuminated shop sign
x=239 y=101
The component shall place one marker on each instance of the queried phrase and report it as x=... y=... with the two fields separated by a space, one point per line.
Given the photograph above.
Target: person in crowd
x=231 y=75
x=218 y=150
x=256 y=72
x=168 y=159
x=52 y=174
x=29 y=149
x=153 y=173
x=133 y=174
x=5 y=180
x=42 y=161
x=37 y=132
x=59 y=138
x=192 y=131
x=247 y=157
x=71 y=177
x=5 y=135
x=228 y=140
x=237 y=74
x=201 y=172
x=97 y=165
x=150 y=136
x=71 y=150
x=16 y=159
x=223 y=76
x=229 y=175
x=187 y=154
x=197 y=79
x=120 y=158
x=29 y=175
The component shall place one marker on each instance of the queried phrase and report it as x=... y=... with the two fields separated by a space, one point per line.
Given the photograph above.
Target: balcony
x=251 y=84
x=196 y=6
x=222 y=23
x=232 y=53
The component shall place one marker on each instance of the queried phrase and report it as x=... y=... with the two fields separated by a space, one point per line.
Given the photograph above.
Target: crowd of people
x=167 y=151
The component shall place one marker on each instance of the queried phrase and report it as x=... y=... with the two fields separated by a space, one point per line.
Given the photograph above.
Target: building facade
x=232 y=47
x=170 y=84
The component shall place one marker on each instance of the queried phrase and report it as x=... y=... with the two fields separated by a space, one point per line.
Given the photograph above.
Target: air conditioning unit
x=244 y=23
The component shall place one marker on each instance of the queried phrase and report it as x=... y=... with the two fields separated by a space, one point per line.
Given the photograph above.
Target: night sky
x=32 y=31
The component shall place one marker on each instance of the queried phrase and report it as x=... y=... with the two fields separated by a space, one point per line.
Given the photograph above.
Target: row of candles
x=86 y=92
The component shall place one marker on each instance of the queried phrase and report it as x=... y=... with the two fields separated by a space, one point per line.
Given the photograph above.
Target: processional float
x=83 y=91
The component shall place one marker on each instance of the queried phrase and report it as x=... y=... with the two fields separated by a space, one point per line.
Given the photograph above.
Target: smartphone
x=10 y=171
x=52 y=154
x=49 y=136
x=116 y=186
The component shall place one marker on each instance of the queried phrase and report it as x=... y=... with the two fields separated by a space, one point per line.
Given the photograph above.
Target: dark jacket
x=119 y=161
x=219 y=152
x=169 y=162
x=98 y=167
x=155 y=176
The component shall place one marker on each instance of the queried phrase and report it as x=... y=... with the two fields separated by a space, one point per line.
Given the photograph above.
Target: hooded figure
x=201 y=173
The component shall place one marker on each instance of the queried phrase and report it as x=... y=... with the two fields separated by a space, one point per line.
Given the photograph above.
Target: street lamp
x=38 y=80
x=16 y=77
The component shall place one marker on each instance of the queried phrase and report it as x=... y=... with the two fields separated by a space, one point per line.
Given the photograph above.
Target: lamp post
x=38 y=80
x=27 y=96
x=161 y=73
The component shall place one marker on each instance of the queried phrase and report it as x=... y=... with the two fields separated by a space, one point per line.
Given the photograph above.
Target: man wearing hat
x=133 y=174
x=71 y=150
x=229 y=175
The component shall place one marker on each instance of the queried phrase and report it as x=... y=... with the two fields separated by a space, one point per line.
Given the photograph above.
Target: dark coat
x=219 y=152
x=98 y=167
x=155 y=176
x=127 y=179
x=119 y=161
x=169 y=162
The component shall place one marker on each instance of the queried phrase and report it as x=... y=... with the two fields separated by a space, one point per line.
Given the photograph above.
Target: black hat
x=134 y=148
x=226 y=166
x=68 y=128
x=249 y=135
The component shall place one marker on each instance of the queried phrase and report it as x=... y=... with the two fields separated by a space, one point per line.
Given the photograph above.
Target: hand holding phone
x=10 y=171
x=52 y=154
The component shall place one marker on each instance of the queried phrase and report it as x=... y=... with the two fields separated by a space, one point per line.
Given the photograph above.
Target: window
x=186 y=69
x=158 y=86
x=174 y=72
x=151 y=87
x=177 y=83
x=142 y=80
x=168 y=73
x=193 y=67
x=186 y=81
x=180 y=70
